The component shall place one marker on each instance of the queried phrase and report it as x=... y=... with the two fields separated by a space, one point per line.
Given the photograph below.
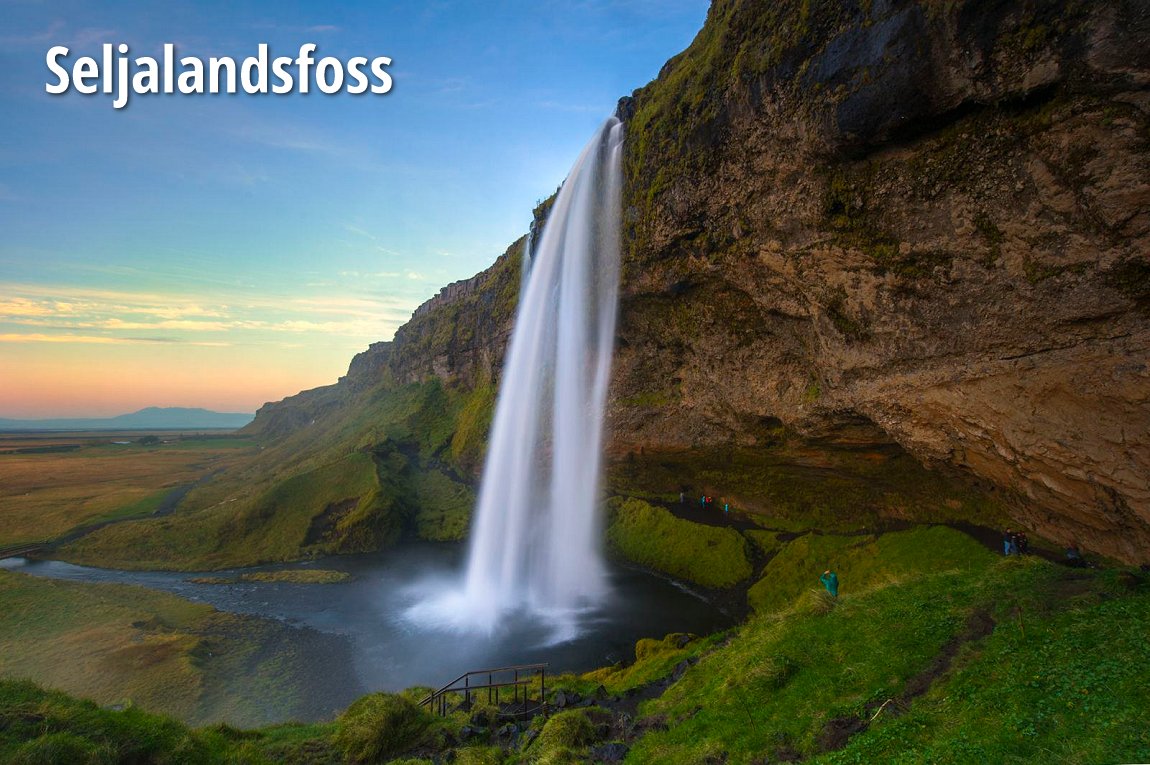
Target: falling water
x=535 y=539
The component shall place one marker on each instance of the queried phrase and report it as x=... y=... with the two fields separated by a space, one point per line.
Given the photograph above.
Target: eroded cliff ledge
x=932 y=216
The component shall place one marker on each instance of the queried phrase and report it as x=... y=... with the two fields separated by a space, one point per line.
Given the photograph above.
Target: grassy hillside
x=360 y=476
x=128 y=645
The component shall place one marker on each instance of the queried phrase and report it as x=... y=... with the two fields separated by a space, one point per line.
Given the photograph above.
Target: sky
x=227 y=250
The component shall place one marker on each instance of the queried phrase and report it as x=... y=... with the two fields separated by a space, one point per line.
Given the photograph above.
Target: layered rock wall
x=937 y=218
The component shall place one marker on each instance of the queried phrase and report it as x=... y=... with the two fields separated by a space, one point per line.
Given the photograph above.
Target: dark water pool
x=389 y=650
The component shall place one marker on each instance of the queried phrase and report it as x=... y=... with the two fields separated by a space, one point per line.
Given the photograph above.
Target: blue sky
x=222 y=251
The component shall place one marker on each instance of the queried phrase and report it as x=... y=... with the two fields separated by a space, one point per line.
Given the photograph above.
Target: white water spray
x=535 y=540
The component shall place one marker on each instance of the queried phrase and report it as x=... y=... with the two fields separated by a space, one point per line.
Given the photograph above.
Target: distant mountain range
x=151 y=418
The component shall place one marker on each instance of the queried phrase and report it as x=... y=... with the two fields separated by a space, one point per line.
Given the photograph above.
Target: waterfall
x=535 y=539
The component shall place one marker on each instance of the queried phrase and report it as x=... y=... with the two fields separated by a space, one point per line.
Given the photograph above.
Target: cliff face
x=857 y=231
x=935 y=217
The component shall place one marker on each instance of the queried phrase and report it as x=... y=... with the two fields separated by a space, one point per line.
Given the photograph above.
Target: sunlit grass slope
x=368 y=473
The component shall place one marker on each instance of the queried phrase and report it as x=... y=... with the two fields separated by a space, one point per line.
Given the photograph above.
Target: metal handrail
x=467 y=688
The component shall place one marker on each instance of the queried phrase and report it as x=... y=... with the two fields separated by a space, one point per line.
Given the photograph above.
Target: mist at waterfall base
x=535 y=550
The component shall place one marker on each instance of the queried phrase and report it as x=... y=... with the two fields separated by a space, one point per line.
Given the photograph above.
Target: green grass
x=273 y=528
x=651 y=536
x=767 y=541
x=1058 y=676
x=368 y=471
x=443 y=507
x=141 y=509
x=862 y=562
x=654 y=660
x=1067 y=687
x=39 y=726
x=293 y=576
x=1071 y=689
x=124 y=644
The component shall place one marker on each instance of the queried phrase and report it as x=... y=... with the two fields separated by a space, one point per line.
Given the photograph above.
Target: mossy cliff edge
x=883 y=260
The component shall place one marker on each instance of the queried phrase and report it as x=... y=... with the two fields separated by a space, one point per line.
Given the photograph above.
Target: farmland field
x=53 y=484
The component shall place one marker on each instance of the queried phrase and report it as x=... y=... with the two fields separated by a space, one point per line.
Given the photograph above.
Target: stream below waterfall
x=391 y=651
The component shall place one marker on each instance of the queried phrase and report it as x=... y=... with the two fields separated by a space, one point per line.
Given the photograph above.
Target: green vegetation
x=469 y=442
x=651 y=536
x=378 y=726
x=346 y=495
x=46 y=494
x=862 y=562
x=294 y=576
x=947 y=653
x=444 y=507
x=377 y=469
x=50 y=728
x=563 y=739
x=654 y=660
x=1036 y=688
x=122 y=644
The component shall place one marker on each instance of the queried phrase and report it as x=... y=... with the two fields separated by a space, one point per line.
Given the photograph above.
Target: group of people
x=1015 y=543
x=706 y=502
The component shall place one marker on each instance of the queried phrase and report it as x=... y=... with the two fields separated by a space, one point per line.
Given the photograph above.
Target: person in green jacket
x=830 y=580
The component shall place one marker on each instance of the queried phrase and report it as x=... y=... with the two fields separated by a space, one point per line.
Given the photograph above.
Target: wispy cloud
x=51 y=313
x=97 y=339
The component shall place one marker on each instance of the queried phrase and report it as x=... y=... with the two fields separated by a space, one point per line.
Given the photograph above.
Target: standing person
x=726 y=508
x=1022 y=542
x=1008 y=545
x=682 y=498
x=703 y=501
x=830 y=580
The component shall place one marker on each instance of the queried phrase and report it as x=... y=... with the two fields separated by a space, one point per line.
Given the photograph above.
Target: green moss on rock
x=653 y=537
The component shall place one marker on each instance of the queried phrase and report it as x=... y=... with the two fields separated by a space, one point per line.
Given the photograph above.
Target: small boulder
x=508 y=732
x=614 y=752
x=471 y=732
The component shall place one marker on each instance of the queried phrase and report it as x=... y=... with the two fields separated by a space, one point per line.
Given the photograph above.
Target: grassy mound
x=378 y=726
x=651 y=536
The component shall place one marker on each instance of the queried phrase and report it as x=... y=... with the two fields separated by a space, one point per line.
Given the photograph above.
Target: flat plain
x=52 y=484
